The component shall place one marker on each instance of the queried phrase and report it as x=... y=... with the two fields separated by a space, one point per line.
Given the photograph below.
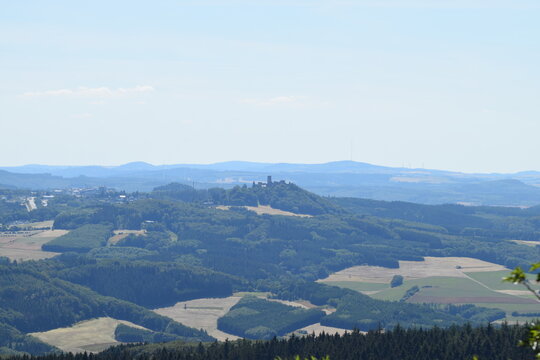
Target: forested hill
x=175 y=248
x=279 y=195
x=487 y=221
x=343 y=178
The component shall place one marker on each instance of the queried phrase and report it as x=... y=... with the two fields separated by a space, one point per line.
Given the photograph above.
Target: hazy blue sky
x=445 y=84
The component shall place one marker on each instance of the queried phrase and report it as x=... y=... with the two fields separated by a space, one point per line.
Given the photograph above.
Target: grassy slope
x=440 y=287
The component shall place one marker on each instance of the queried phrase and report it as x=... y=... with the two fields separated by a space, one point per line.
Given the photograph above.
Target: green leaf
x=517 y=276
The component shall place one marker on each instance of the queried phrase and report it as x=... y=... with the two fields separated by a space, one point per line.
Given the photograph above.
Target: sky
x=441 y=84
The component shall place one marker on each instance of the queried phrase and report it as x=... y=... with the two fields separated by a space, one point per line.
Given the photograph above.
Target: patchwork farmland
x=452 y=280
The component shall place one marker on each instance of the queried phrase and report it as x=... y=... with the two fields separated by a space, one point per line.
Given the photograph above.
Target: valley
x=270 y=180
x=180 y=264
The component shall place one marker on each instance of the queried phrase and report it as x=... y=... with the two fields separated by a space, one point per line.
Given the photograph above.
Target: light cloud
x=86 y=92
x=278 y=100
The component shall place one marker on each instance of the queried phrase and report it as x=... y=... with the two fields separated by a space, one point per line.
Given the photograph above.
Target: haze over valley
x=340 y=178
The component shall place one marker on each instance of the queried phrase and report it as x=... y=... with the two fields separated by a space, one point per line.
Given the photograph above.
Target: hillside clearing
x=265 y=209
x=317 y=329
x=91 y=335
x=121 y=234
x=202 y=314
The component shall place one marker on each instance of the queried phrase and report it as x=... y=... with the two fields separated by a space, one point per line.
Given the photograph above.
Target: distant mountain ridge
x=242 y=166
x=339 y=178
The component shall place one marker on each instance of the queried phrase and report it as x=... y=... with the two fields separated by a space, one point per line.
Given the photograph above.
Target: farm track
x=515 y=293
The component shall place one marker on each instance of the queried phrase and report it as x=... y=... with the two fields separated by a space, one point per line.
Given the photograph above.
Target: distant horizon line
x=145 y=163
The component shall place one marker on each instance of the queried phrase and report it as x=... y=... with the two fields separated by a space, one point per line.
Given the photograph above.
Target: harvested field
x=264 y=294
x=431 y=266
x=25 y=255
x=265 y=209
x=470 y=300
x=51 y=234
x=202 y=314
x=304 y=304
x=527 y=243
x=90 y=335
x=37 y=225
x=26 y=245
x=120 y=234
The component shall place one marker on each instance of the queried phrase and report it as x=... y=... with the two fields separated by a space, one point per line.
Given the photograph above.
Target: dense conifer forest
x=464 y=342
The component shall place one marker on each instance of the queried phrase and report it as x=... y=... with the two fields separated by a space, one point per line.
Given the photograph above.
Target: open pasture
x=91 y=335
x=439 y=289
x=26 y=245
x=493 y=280
x=202 y=314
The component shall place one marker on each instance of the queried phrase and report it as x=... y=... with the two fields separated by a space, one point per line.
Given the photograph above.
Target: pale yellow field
x=38 y=225
x=410 y=270
x=50 y=233
x=265 y=209
x=524 y=293
x=318 y=329
x=120 y=234
x=91 y=335
x=26 y=245
x=302 y=305
x=527 y=243
x=202 y=314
